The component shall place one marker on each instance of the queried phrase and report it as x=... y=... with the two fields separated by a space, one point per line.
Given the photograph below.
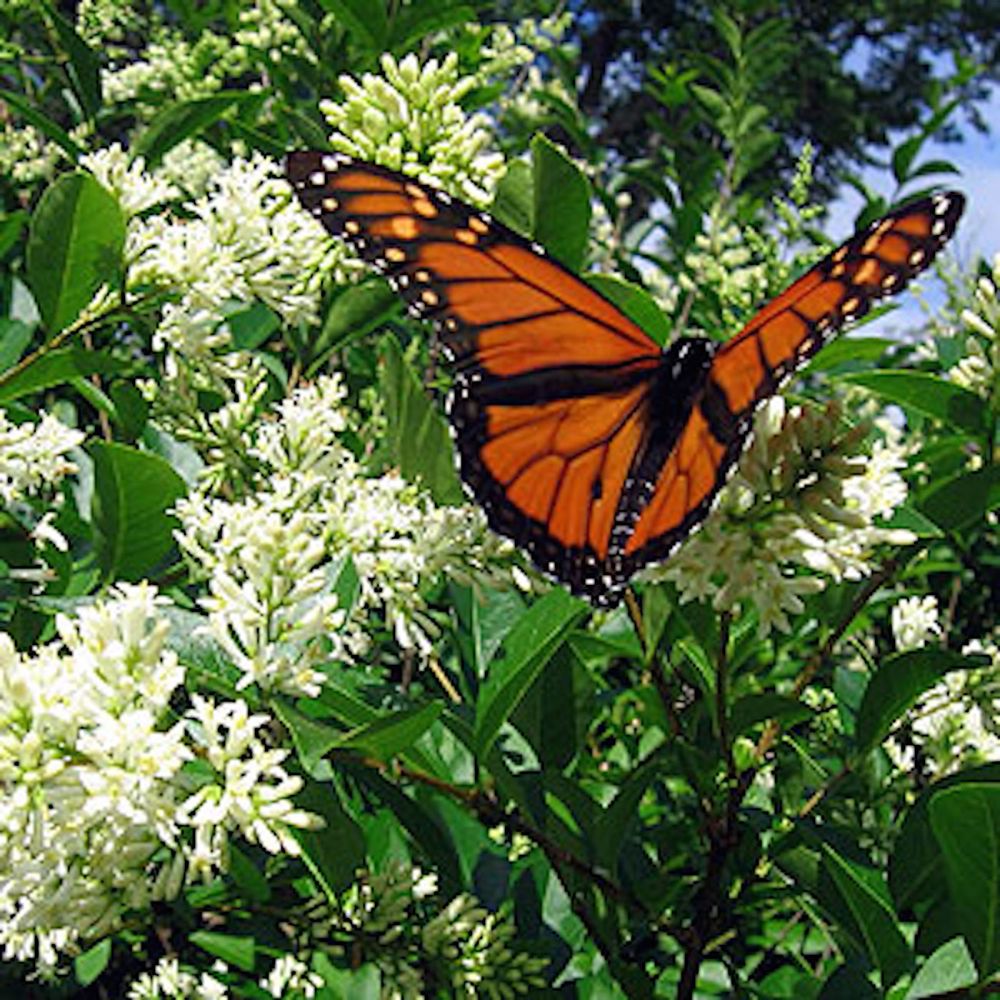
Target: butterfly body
x=592 y=448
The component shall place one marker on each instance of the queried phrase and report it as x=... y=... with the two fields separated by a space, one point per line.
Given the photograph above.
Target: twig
x=487 y=809
x=445 y=681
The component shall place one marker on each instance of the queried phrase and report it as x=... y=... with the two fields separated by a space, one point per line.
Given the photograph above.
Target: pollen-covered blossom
x=410 y=118
x=801 y=507
x=272 y=557
x=979 y=370
x=97 y=818
x=915 y=622
x=169 y=981
x=33 y=455
x=190 y=166
x=956 y=723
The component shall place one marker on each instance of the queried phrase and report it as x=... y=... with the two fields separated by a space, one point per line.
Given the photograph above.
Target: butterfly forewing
x=549 y=404
x=584 y=443
x=779 y=339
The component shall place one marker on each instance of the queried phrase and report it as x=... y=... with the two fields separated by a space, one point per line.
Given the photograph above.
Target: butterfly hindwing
x=588 y=446
x=778 y=340
x=550 y=397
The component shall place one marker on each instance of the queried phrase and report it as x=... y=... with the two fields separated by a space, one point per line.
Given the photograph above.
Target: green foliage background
x=661 y=812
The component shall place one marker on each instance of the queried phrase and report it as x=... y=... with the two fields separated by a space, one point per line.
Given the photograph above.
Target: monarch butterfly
x=588 y=445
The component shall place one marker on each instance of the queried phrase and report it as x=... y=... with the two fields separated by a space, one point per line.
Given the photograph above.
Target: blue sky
x=978 y=158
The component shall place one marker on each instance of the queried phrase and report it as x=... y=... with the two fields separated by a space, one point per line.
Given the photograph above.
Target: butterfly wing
x=780 y=338
x=551 y=398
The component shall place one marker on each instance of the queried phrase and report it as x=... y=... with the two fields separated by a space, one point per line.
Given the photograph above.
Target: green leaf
x=250 y=880
x=84 y=68
x=753 y=709
x=555 y=713
x=11 y=226
x=635 y=302
x=948 y=970
x=903 y=157
x=131 y=409
x=184 y=119
x=132 y=492
x=928 y=394
x=418 y=440
x=527 y=648
x=336 y=852
x=562 y=204
x=934 y=167
x=232 y=949
x=616 y=820
x=43 y=123
x=363 y=983
x=89 y=965
x=353 y=314
x=393 y=733
x=966 y=823
x=312 y=739
x=875 y=925
x=56 y=368
x=897 y=684
x=251 y=325
x=14 y=338
x=364 y=19
x=74 y=246
x=844 y=350
x=382 y=737
x=415 y=21
x=963 y=500
x=910 y=519
x=916 y=866
x=514 y=201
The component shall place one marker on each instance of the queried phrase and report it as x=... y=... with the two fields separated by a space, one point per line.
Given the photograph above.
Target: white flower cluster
x=173 y=67
x=33 y=455
x=168 y=981
x=508 y=47
x=247 y=239
x=979 y=370
x=723 y=261
x=251 y=792
x=956 y=723
x=128 y=180
x=915 y=622
x=804 y=498
x=101 y=21
x=97 y=818
x=410 y=118
x=26 y=157
x=270 y=556
x=291 y=977
x=474 y=948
